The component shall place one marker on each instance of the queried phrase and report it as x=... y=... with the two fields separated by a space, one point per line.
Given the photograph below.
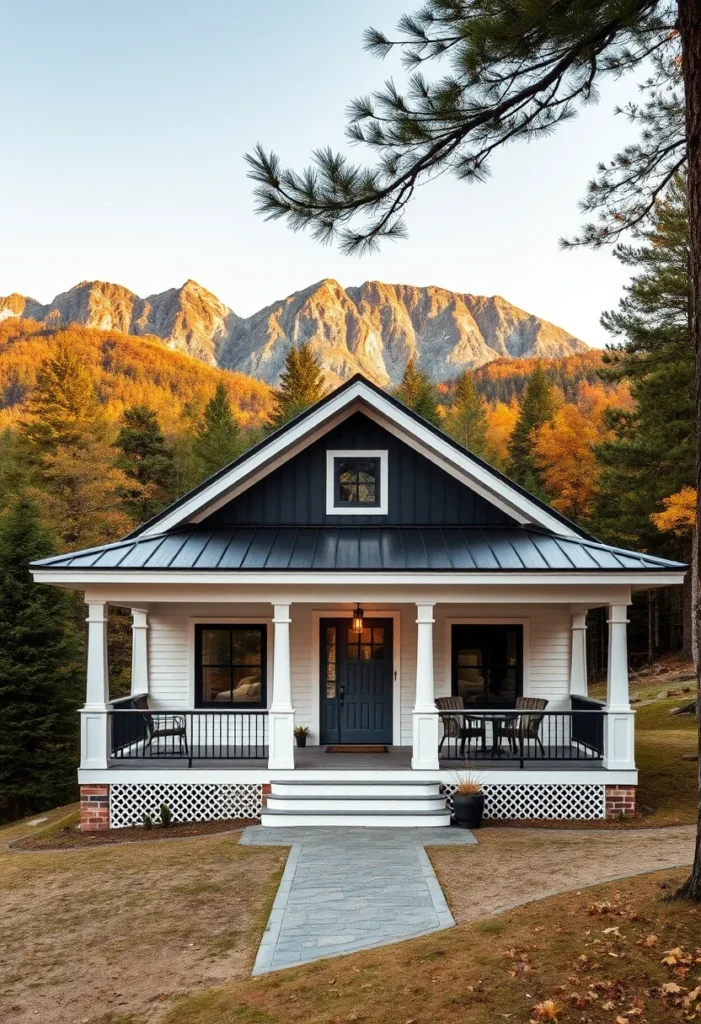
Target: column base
x=281 y=740
x=94 y=808
x=425 y=745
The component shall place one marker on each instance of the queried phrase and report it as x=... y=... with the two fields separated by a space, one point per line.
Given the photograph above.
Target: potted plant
x=468 y=801
x=301 y=733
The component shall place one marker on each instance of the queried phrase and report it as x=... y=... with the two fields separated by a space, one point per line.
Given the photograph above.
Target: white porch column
x=425 y=715
x=139 y=651
x=281 y=715
x=619 y=734
x=578 y=662
x=93 y=720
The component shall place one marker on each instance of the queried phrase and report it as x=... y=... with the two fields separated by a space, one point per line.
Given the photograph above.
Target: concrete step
x=272 y=818
x=345 y=788
x=354 y=802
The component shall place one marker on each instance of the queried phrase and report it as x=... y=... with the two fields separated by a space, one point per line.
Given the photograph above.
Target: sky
x=124 y=125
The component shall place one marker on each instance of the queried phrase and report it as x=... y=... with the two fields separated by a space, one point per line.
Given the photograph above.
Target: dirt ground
x=511 y=865
x=98 y=935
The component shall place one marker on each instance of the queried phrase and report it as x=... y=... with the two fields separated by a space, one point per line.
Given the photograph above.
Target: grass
x=99 y=935
x=667 y=786
x=595 y=956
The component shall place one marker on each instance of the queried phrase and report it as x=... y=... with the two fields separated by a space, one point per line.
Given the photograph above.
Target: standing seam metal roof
x=361 y=549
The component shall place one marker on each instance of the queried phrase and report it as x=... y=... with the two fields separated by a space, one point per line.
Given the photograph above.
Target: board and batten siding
x=547 y=635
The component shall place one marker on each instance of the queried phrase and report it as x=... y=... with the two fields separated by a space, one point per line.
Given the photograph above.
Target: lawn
x=99 y=935
x=599 y=955
x=667 y=788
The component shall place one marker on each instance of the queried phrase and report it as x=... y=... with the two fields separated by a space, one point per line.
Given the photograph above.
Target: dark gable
x=420 y=493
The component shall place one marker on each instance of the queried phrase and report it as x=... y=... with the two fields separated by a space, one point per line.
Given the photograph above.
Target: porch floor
x=396 y=759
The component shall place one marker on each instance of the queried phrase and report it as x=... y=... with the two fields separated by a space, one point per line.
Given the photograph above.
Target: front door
x=356 y=682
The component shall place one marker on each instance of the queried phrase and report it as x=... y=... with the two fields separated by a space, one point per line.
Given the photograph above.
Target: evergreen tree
x=538 y=408
x=218 y=439
x=148 y=460
x=416 y=391
x=40 y=677
x=301 y=385
x=63 y=407
x=466 y=419
x=66 y=438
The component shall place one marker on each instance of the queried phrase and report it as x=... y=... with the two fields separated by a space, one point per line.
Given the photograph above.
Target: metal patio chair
x=525 y=727
x=460 y=727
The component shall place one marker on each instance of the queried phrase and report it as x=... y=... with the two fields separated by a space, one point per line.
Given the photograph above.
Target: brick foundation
x=94 y=808
x=620 y=800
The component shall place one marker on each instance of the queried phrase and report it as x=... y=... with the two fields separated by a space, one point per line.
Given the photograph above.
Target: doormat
x=357 y=748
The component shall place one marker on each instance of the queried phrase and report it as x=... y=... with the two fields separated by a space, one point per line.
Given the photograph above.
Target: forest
x=100 y=430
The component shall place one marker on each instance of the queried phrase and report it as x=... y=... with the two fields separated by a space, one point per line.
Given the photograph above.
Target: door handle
x=341 y=694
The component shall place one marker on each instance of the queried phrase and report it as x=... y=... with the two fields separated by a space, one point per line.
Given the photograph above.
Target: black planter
x=301 y=741
x=468 y=809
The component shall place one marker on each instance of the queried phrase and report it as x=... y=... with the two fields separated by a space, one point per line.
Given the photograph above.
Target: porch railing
x=522 y=736
x=137 y=733
x=588 y=729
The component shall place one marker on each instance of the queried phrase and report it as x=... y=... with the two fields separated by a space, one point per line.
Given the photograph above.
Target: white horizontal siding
x=547 y=629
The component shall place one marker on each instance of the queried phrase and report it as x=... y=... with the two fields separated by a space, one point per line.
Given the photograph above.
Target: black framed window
x=230 y=665
x=356 y=482
x=488 y=664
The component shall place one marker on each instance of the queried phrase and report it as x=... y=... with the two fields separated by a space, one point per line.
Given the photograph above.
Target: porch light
x=357 y=626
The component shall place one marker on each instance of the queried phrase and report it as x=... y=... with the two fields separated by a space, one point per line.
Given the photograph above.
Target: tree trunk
x=690 y=33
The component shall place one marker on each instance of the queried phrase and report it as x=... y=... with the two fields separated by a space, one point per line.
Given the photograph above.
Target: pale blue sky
x=124 y=123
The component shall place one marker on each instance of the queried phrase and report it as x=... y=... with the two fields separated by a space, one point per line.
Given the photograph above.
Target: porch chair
x=160 y=725
x=460 y=727
x=525 y=727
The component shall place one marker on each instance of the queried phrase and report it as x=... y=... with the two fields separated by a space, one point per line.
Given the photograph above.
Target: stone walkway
x=346 y=889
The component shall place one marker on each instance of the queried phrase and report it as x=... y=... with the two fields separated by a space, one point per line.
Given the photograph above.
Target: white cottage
x=359 y=575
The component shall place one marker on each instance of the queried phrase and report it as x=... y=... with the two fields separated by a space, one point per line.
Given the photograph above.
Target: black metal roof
x=359 y=549
x=393 y=401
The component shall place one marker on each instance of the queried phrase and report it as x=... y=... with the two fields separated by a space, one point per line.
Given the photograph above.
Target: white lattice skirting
x=195 y=802
x=549 y=801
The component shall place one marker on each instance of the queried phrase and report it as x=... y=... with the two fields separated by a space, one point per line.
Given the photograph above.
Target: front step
x=363 y=804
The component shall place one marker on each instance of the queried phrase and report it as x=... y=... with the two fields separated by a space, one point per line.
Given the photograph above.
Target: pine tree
x=416 y=391
x=63 y=407
x=218 y=440
x=40 y=675
x=66 y=439
x=466 y=419
x=301 y=385
x=147 y=460
x=538 y=407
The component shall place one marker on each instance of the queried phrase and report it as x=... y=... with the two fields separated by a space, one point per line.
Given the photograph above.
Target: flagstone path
x=346 y=889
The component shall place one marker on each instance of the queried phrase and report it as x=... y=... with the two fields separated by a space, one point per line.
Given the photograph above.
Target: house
x=342 y=575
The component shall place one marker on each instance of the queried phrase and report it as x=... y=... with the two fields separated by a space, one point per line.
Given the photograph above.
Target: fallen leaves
x=547 y=1010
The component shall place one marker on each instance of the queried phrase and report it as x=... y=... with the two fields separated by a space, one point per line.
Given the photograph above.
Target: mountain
x=375 y=328
x=189 y=319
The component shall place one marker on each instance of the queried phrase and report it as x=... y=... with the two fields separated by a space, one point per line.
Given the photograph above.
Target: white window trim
x=356 y=453
x=492 y=621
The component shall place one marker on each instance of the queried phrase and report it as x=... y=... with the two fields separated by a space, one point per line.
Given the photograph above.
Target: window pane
x=348 y=492
x=378 y=636
x=352 y=652
x=366 y=472
x=215 y=647
x=247 y=686
x=366 y=494
x=216 y=684
x=247 y=644
x=365 y=652
x=378 y=653
x=331 y=671
x=331 y=689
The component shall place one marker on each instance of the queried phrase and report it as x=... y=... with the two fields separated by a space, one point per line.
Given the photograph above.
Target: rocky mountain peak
x=374 y=328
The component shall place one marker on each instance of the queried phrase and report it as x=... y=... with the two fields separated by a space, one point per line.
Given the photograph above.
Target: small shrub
x=466 y=782
x=301 y=730
x=166 y=816
x=147 y=821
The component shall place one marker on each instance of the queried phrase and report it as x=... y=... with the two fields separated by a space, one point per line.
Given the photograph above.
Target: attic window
x=356 y=483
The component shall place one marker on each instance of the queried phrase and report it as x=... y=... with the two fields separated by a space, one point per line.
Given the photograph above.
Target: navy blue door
x=356 y=682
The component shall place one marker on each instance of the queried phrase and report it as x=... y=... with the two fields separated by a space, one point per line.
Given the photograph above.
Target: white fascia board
x=156 y=776
x=319 y=422
x=87 y=578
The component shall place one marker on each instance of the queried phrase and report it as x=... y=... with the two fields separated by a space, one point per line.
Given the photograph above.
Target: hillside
x=126 y=371
x=375 y=328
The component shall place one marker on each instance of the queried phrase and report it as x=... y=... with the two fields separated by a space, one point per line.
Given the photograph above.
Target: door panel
x=356 y=682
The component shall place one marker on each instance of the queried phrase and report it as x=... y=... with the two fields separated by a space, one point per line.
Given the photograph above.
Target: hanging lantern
x=357 y=626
